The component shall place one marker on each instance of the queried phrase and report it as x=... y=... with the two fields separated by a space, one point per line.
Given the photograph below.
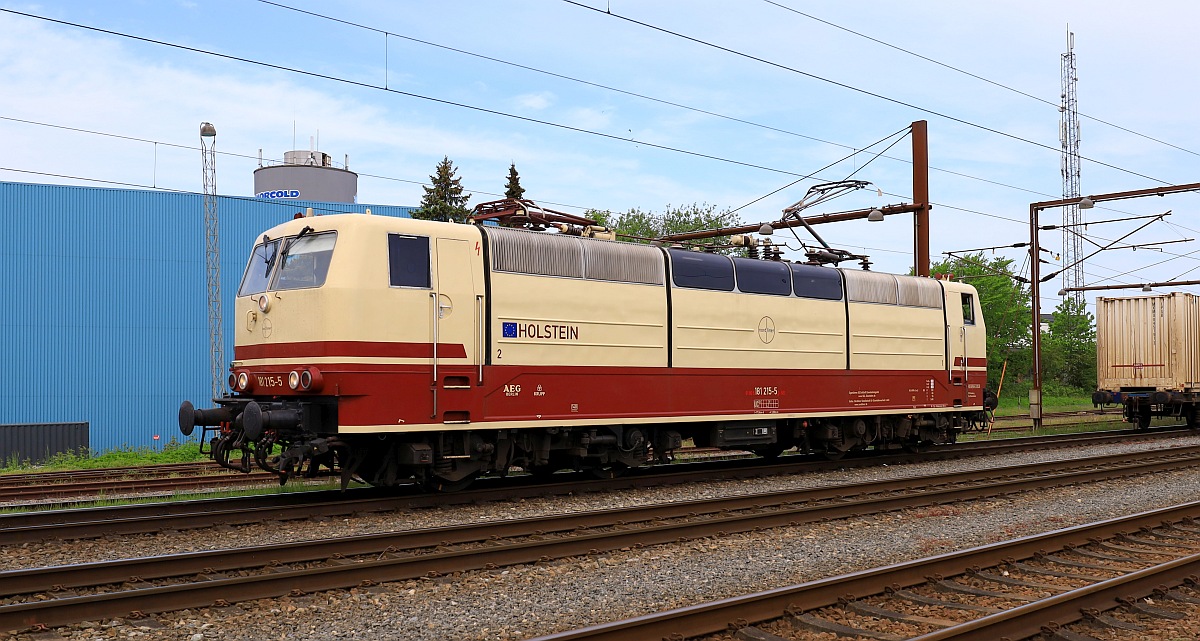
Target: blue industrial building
x=104 y=314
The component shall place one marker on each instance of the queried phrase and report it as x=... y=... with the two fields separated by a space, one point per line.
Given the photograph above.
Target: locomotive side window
x=968 y=307
x=305 y=261
x=762 y=276
x=701 y=271
x=258 y=270
x=408 y=260
x=811 y=281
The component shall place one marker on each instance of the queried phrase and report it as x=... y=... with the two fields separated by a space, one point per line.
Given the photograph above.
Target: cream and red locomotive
x=400 y=350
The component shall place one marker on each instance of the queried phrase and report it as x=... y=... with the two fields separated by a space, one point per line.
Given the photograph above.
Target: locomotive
x=398 y=350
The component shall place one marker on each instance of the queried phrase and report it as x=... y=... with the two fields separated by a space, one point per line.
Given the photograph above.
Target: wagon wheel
x=1143 y=418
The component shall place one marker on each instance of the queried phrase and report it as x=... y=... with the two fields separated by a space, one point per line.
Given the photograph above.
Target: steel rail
x=131 y=519
x=1028 y=620
x=147 y=484
x=389 y=566
x=1003 y=480
x=68 y=476
x=715 y=617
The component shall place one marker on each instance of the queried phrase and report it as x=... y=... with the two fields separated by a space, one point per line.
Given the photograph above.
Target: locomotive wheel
x=608 y=471
x=769 y=451
x=435 y=484
x=915 y=447
x=543 y=471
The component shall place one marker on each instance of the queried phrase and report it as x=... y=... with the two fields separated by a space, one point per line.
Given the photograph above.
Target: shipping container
x=1148 y=343
x=40 y=442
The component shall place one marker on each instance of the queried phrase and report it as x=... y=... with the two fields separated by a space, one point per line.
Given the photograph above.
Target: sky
x=647 y=104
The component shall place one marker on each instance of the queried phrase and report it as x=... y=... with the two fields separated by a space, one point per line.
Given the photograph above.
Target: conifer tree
x=513 y=189
x=444 y=199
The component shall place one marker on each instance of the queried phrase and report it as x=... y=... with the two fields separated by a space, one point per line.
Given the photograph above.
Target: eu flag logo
x=510 y=330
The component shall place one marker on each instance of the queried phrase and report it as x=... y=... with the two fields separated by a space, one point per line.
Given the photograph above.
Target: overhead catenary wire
x=972 y=75
x=368 y=85
x=410 y=94
x=837 y=83
x=516 y=116
x=275 y=203
x=415 y=182
x=234 y=155
x=387 y=33
x=832 y=164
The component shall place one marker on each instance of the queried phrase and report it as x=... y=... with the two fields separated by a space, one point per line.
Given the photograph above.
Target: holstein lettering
x=547 y=331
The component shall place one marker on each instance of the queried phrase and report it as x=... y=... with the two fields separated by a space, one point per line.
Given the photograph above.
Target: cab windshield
x=258 y=271
x=305 y=262
x=294 y=262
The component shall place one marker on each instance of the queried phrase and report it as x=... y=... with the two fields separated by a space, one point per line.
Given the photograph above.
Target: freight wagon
x=1148 y=356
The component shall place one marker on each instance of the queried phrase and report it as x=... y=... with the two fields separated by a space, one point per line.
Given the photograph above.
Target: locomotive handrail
x=433 y=306
x=480 y=348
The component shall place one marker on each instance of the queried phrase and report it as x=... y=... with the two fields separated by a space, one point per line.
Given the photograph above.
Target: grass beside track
x=172 y=452
x=177 y=496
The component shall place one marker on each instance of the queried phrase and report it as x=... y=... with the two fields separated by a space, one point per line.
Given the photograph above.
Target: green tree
x=643 y=226
x=1006 y=313
x=1069 y=349
x=513 y=189
x=444 y=199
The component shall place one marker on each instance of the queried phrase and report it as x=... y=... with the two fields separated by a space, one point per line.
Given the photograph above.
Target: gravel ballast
x=525 y=601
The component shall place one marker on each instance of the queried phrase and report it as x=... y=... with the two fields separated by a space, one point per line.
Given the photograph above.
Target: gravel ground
x=526 y=601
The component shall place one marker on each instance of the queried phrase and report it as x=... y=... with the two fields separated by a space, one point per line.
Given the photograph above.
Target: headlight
x=232 y=381
x=294 y=379
x=264 y=303
x=311 y=379
x=243 y=381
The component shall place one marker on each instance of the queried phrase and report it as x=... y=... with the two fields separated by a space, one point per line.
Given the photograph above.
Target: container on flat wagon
x=1148 y=343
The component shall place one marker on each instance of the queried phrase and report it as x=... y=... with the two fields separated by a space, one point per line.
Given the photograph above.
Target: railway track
x=66 y=594
x=1063 y=584
x=161 y=470
x=44 y=487
x=93 y=522
x=169 y=477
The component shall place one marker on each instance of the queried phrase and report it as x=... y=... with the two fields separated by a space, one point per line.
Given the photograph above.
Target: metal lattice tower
x=212 y=255
x=1072 y=253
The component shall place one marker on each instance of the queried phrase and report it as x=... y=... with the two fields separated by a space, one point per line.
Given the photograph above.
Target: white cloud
x=534 y=101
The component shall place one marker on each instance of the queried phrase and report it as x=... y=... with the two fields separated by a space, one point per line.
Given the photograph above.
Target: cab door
x=960 y=319
x=455 y=310
x=966 y=338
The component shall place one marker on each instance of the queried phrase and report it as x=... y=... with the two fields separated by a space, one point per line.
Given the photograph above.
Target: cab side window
x=968 y=309
x=408 y=260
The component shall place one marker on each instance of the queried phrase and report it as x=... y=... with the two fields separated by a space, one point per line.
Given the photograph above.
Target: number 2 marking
x=498 y=353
